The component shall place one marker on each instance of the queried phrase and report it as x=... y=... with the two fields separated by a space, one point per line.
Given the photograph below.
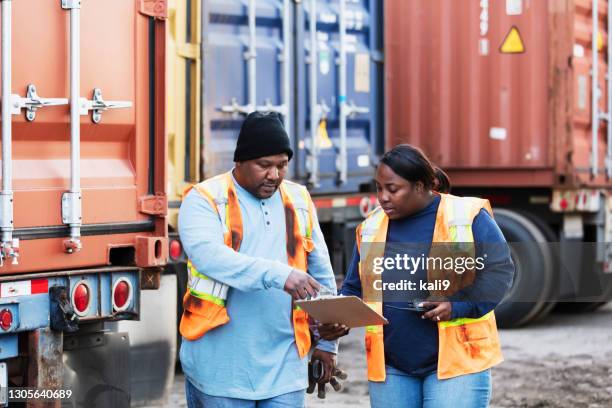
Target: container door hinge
x=10 y=251
x=71 y=208
x=153 y=205
x=154 y=8
x=99 y=105
x=71 y=4
x=268 y=107
x=352 y=110
x=32 y=102
x=234 y=108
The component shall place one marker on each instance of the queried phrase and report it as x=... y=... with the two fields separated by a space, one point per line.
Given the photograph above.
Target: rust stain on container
x=492 y=118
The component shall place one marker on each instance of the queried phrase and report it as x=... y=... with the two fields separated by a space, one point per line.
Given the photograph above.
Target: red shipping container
x=122 y=158
x=498 y=92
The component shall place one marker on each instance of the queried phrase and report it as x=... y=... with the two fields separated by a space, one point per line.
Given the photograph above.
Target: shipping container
x=502 y=86
x=339 y=94
x=83 y=197
x=510 y=97
x=120 y=168
x=258 y=56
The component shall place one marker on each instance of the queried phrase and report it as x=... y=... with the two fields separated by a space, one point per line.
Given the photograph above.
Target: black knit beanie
x=262 y=134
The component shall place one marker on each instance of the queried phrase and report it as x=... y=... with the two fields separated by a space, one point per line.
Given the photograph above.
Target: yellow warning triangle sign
x=323 y=140
x=513 y=43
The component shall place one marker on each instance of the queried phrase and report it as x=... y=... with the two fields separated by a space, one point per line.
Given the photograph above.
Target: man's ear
x=238 y=164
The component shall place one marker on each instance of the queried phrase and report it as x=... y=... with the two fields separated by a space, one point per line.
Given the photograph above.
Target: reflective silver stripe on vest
x=201 y=285
x=299 y=198
x=217 y=188
x=370 y=226
x=369 y=230
x=458 y=210
x=459 y=220
x=208 y=286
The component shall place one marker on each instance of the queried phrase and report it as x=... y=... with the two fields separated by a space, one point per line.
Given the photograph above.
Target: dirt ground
x=563 y=361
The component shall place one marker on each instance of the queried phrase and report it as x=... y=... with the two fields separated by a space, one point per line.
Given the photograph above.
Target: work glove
x=315 y=373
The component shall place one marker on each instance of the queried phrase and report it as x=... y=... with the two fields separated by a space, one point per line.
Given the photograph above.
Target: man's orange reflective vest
x=204 y=300
x=465 y=345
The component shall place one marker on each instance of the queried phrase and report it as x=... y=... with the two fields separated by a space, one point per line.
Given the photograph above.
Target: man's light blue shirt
x=254 y=356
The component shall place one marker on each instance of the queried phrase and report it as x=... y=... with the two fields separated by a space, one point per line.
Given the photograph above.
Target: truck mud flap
x=97 y=370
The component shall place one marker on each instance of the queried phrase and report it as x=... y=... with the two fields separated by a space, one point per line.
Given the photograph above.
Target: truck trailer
x=83 y=200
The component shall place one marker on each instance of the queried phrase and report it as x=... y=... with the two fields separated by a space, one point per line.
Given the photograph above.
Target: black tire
x=534 y=274
x=550 y=236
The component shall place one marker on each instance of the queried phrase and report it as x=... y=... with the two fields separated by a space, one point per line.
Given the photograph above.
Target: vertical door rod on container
x=609 y=82
x=251 y=57
x=314 y=107
x=287 y=64
x=285 y=58
x=595 y=93
x=71 y=201
x=8 y=244
x=341 y=160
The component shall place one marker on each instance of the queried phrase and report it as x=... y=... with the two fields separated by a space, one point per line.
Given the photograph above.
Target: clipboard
x=347 y=310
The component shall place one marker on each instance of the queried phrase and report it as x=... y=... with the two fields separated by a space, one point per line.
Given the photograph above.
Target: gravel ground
x=564 y=361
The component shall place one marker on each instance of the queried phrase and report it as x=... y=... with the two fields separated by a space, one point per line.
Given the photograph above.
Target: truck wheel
x=550 y=236
x=534 y=274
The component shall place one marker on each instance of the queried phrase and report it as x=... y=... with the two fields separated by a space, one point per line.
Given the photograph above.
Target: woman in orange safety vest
x=436 y=266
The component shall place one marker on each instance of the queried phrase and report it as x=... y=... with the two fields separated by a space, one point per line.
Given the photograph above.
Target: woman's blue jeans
x=401 y=390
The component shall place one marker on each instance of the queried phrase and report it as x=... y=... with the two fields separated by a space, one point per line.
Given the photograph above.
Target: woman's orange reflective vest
x=204 y=300
x=465 y=345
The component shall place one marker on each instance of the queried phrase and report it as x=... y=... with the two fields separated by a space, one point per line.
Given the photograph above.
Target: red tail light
x=81 y=297
x=6 y=319
x=175 y=249
x=122 y=294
